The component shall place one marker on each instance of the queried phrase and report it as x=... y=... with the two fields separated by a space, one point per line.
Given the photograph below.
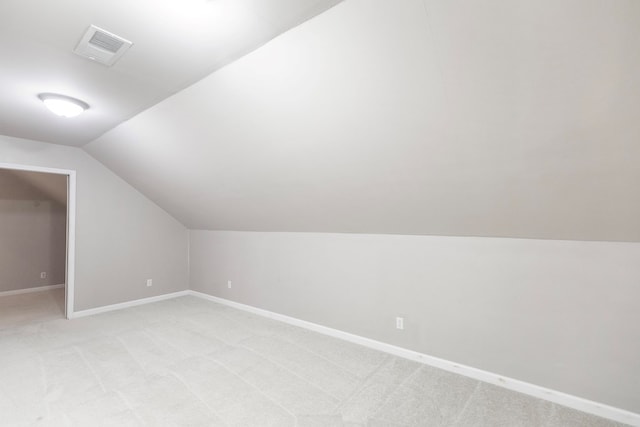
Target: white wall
x=122 y=238
x=560 y=314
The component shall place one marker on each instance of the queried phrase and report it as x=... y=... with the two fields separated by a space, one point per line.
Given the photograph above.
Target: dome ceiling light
x=62 y=105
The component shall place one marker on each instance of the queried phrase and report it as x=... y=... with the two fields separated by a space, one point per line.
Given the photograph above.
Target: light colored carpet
x=31 y=307
x=191 y=362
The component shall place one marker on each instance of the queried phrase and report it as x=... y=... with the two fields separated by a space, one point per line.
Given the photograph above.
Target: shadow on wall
x=33 y=228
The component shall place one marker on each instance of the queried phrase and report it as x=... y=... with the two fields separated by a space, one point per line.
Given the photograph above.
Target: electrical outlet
x=149 y=282
x=399 y=323
x=43 y=275
x=229 y=284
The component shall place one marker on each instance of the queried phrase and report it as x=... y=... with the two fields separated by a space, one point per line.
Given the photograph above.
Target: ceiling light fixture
x=62 y=105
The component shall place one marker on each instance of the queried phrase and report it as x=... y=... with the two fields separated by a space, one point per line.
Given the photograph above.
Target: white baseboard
x=128 y=304
x=29 y=290
x=584 y=405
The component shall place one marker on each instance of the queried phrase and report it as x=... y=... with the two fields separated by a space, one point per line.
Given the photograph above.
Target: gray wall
x=32 y=240
x=122 y=238
x=560 y=314
x=32 y=230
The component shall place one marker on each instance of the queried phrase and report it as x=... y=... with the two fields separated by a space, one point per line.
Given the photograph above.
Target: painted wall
x=32 y=230
x=122 y=238
x=32 y=240
x=560 y=314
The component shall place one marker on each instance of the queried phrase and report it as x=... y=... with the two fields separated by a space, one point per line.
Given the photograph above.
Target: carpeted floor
x=191 y=362
x=31 y=307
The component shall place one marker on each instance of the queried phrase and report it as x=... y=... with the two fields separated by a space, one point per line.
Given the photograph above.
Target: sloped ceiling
x=176 y=42
x=510 y=118
x=493 y=118
x=27 y=185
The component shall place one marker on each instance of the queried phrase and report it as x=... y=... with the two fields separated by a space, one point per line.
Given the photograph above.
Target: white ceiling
x=512 y=118
x=176 y=42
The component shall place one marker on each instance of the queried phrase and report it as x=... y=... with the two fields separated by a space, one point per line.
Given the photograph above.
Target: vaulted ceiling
x=511 y=118
x=175 y=43
x=36 y=186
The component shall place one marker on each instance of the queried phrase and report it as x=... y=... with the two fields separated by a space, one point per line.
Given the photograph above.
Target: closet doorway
x=37 y=243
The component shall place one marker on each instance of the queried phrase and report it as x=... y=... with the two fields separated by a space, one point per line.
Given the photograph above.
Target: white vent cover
x=102 y=46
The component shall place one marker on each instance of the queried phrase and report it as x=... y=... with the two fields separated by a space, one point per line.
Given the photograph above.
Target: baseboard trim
x=30 y=290
x=120 y=306
x=581 y=404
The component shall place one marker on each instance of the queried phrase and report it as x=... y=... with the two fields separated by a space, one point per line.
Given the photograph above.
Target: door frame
x=70 y=267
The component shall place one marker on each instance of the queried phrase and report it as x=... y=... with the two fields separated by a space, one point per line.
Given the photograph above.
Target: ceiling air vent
x=102 y=46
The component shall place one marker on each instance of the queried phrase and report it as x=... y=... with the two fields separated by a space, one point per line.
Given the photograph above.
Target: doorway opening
x=37 y=241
